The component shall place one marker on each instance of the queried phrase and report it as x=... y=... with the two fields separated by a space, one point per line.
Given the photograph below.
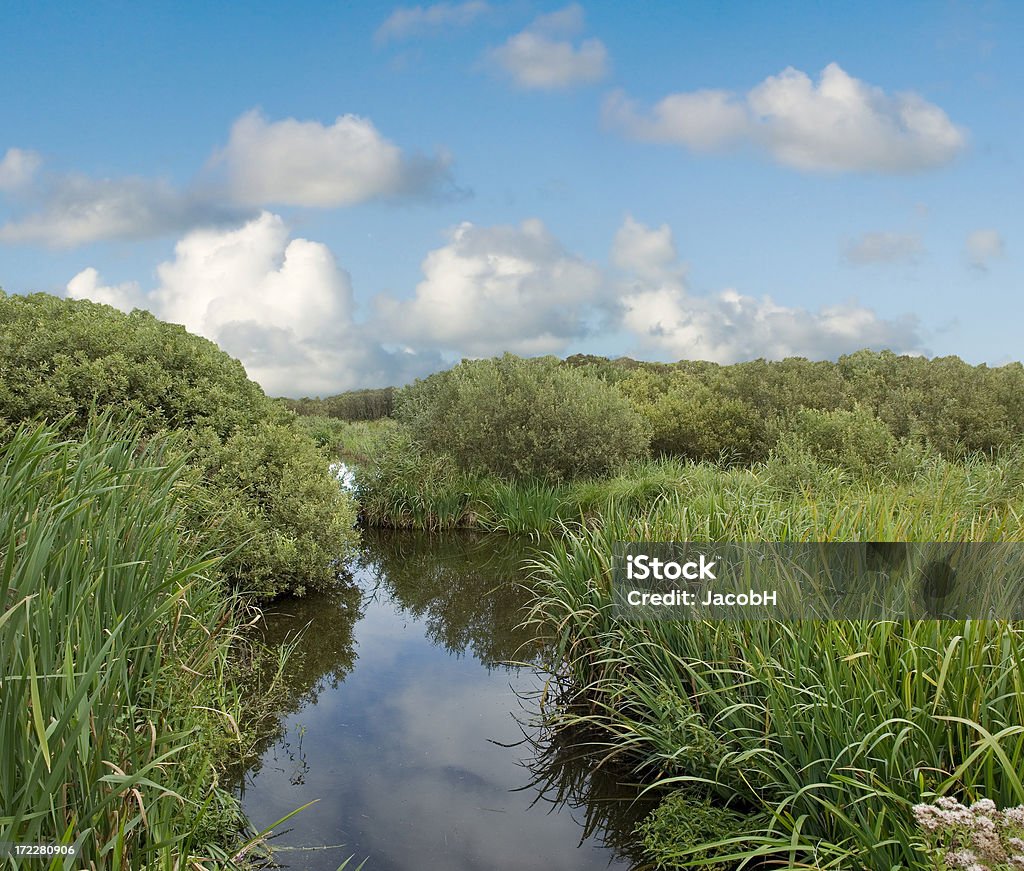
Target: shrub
x=855 y=441
x=271 y=494
x=253 y=472
x=519 y=418
x=690 y=419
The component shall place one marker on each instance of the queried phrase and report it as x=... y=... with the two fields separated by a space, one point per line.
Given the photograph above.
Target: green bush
x=690 y=419
x=253 y=473
x=270 y=493
x=519 y=418
x=855 y=441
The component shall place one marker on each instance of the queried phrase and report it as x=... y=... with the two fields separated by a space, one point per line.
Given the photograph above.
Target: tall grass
x=821 y=734
x=114 y=646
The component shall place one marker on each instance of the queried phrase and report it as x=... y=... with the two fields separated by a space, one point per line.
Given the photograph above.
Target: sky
x=347 y=195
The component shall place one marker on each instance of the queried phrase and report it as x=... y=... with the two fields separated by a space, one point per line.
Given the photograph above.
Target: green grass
x=353 y=441
x=115 y=701
x=822 y=735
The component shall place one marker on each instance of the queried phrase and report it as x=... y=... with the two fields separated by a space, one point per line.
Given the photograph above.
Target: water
x=408 y=727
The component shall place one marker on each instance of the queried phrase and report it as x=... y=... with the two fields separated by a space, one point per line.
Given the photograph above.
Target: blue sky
x=344 y=195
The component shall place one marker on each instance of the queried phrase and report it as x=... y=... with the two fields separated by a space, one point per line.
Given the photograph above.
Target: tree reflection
x=469 y=589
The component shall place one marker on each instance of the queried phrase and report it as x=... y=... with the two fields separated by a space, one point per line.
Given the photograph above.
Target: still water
x=407 y=724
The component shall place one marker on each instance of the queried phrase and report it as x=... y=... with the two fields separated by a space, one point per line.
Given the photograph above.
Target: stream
x=417 y=738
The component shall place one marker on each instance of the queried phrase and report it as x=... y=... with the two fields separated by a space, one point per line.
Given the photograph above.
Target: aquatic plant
x=821 y=734
x=115 y=707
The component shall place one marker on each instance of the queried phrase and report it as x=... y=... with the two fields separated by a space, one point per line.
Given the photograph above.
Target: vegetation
x=355 y=442
x=148 y=492
x=114 y=635
x=821 y=735
x=517 y=419
x=372 y=404
x=254 y=472
x=704 y=411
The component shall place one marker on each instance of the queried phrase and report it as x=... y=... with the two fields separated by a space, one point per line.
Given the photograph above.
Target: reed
x=114 y=706
x=821 y=735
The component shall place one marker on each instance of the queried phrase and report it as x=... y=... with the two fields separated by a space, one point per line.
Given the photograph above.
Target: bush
x=519 y=418
x=690 y=419
x=270 y=493
x=253 y=473
x=855 y=441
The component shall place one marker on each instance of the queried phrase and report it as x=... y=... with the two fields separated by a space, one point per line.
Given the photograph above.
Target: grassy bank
x=115 y=708
x=977 y=499
x=818 y=737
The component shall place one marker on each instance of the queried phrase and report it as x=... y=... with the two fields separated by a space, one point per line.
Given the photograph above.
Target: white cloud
x=281 y=305
x=291 y=162
x=76 y=210
x=284 y=306
x=495 y=289
x=669 y=322
x=567 y=21
x=306 y=163
x=648 y=254
x=984 y=246
x=17 y=168
x=86 y=285
x=701 y=120
x=410 y=21
x=537 y=59
x=840 y=124
x=882 y=247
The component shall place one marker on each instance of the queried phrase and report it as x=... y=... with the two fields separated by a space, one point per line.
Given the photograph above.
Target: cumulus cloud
x=306 y=163
x=700 y=120
x=285 y=308
x=17 y=168
x=984 y=246
x=75 y=210
x=543 y=56
x=289 y=162
x=495 y=289
x=882 y=247
x=409 y=21
x=648 y=254
x=86 y=285
x=281 y=305
x=669 y=322
x=839 y=124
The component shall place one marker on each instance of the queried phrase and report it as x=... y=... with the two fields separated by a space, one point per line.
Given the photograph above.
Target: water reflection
x=414 y=751
x=466 y=588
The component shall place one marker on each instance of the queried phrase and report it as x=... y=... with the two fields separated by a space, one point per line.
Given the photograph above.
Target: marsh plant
x=115 y=705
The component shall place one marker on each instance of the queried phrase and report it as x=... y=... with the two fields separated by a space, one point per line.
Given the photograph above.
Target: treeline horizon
x=737 y=412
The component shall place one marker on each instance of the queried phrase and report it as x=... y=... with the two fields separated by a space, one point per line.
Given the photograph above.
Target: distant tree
x=521 y=418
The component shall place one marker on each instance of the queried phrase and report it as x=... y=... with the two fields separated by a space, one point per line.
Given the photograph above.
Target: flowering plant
x=976 y=838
